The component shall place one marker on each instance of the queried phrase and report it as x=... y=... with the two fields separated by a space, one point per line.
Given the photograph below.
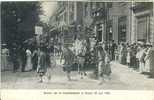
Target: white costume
x=147 y=60
x=28 y=62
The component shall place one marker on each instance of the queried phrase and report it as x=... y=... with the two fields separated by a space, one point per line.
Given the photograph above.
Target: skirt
x=107 y=69
x=67 y=68
x=41 y=69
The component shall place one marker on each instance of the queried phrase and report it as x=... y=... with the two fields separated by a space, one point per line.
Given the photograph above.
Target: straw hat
x=140 y=42
x=148 y=44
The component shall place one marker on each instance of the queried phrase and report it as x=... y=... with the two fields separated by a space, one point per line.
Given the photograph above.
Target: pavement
x=122 y=78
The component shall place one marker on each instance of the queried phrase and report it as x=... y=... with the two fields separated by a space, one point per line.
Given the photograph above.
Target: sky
x=48 y=8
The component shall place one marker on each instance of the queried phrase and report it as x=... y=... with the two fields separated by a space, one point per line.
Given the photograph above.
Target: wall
x=143 y=12
x=118 y=10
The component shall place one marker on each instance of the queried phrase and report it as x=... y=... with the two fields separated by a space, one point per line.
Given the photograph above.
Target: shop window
x=109 y=5
x=99 y=32
x=99 y=36
x=98 y=4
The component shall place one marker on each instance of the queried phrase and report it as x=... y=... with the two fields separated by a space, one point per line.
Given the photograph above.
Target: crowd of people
x=26 y=58
x=138 y=56
x=42 y=59
x=84 y=53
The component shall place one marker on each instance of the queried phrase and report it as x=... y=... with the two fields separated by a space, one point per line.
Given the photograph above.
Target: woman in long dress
x=4 y=61
x=147 y=59
x=28 y=61
x=128 y=56
x=141 y=59
x=120 y=52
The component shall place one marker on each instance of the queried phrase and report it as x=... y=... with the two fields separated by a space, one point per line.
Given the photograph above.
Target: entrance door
x=122 y=29
x=99 y=36
x=99 y=32
x=143 y=28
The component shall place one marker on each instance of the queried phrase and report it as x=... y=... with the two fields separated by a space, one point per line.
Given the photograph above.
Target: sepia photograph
x=77 y=45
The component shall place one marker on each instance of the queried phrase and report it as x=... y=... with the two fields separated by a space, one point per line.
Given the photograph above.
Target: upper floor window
x=86 y=9
x=109 y=5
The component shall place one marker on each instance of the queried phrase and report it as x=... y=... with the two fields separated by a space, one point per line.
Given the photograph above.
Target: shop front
x=143 y=15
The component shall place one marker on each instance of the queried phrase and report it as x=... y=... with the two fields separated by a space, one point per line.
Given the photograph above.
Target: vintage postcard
x=77 y=49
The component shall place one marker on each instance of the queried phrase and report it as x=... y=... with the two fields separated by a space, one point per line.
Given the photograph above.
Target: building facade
x=143 y=22
x=68 y=16
x=119 y=22
x=106 y=21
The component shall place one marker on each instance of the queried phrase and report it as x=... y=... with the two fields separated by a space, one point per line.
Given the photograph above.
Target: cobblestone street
x=122 y=78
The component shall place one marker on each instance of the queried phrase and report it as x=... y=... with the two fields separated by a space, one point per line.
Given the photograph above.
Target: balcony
x=99 y=13
x=140 y=6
